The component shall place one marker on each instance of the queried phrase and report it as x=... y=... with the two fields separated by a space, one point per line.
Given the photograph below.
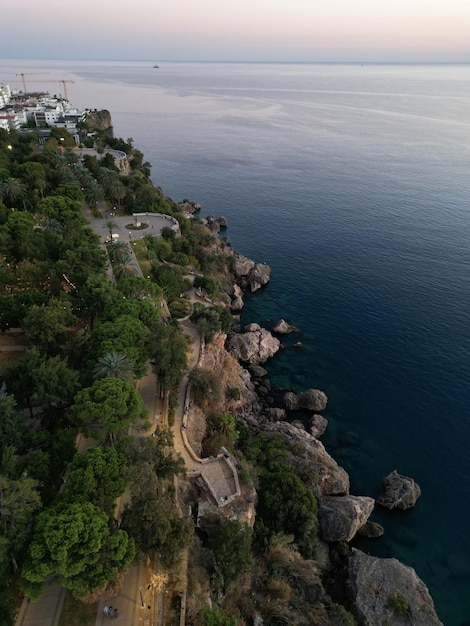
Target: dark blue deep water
x=353 y=183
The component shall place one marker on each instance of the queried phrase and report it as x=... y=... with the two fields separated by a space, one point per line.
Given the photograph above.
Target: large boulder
x=371 y=530
x=283 y=328
x=255 y=346
x=318 y=425
x=342 y=516
x=216 y=222
x=259 y=276
x=311 y=400
x=242 y=265
x=399 y=492
x=237 y=304
x=387 y=592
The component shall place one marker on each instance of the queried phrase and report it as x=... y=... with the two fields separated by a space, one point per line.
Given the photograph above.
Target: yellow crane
x=62 y=82
x=23 y=74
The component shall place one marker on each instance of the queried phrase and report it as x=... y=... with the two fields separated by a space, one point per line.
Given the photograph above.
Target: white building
x=5 y=94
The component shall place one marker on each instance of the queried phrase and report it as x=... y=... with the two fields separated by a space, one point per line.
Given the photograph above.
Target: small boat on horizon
x=155 y=66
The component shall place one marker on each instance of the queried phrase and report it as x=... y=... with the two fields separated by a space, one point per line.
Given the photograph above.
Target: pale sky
x=241 y=30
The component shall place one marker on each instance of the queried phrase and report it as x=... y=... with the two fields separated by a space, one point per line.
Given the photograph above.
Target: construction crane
x=62 y=82
x=23 y=74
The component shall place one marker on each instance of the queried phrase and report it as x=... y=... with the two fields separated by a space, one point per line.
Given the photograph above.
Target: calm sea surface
x=353 y=183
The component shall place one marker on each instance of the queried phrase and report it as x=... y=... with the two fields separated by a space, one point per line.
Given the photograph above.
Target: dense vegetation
x=87 y=339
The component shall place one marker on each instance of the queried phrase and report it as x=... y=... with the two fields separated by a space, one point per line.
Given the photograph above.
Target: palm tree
x=111 y=225
x=92 y=192
x=124 y=268
x=14 y=189
x=114 y=365
x=119 y=252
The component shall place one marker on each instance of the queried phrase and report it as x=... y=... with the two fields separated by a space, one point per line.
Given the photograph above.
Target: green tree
x=97 y=476
x=231 y=544
x=74 y=543
x=61 y=208
x=169 y=349
x=13 y=190
x=153 y=520
x=156 y=452
x=125 y=335
x=47 y=325
x=19 y=503
x=169 y=279
x=106 y=408
x=204 y=385
x=12 y=424
x=138 y=287
x=42 y=382
x=214 y=616
x=114 y=365
x=287 y=506
x=18 y=234
x=95 y=297
x=111 y=226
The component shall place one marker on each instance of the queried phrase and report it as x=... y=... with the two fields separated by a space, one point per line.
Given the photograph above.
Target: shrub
x=399 y=604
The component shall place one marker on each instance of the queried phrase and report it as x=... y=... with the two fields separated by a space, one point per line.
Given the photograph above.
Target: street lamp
x=142 y=598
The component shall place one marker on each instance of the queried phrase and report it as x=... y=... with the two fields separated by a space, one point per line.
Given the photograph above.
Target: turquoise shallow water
x=352 y=183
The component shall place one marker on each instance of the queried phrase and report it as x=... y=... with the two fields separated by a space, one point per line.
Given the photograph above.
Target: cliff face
x=99 y=120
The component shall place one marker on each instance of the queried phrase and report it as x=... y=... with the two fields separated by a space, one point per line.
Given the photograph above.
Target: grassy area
x=141 y=254
x=76 y=613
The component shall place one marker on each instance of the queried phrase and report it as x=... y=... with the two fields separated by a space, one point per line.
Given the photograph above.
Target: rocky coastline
x=378 y=589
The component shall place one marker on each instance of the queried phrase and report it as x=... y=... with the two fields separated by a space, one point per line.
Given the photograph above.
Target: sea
x=352 y=181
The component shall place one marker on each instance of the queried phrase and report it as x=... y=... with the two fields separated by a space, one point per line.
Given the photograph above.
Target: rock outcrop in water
x=283 y=328
x=342 y=516
x=399 y=492
x=387 y=592
x=383 y=590
x=248 y=274
x=310 y=400
x=256 y=345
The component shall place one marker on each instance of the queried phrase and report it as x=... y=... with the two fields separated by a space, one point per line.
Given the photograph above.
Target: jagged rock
x=258 y=372
x=298 y=424
x=216 y=222
x=318 y=425
x=237 y=291
x=298 y=344
x=399 y=492
x=242 y=265
x=380 y=585
x=252 y=328
x=99 y=120
x=237 y=304
x=342 y=516
x=311 y=400
x=323 y=475
x=274 y=414
x=188 y=207
x=254 y=346
x=283 y=328
x=291 y=402
x=371 y=530
x=259 y=275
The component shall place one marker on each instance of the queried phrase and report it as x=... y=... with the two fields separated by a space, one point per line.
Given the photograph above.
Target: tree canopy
x=106 y=408
x=73 y=542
